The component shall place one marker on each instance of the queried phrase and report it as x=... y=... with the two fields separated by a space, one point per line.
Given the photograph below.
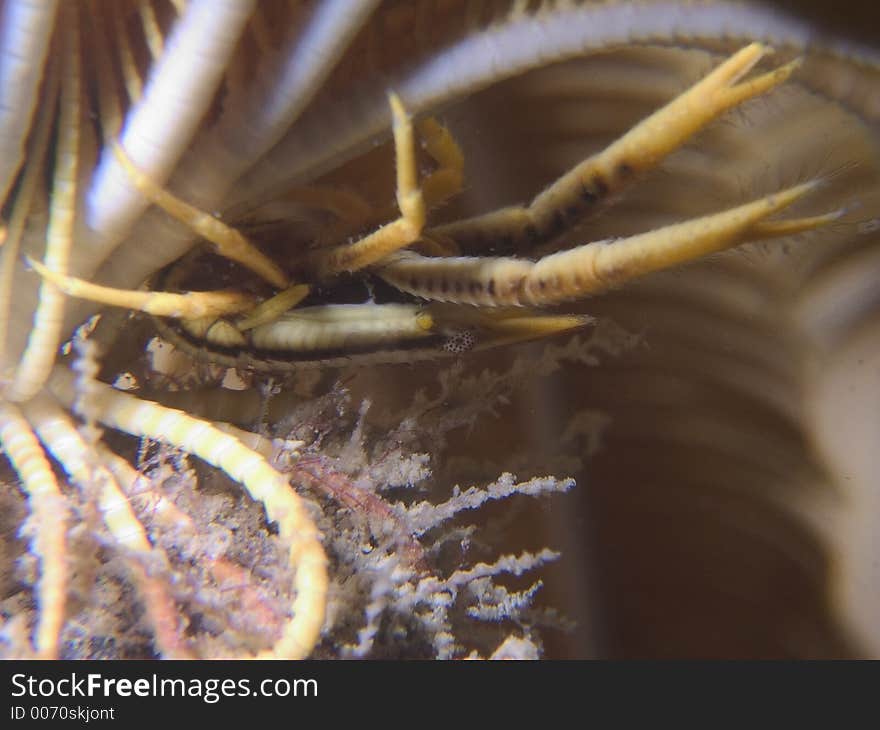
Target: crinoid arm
x=470 y=328
x=447 y=180
x=392 y=236
x=58 y=433
x=50 y=517
x=45 y=337
x=188 y=305
x=598 y=178
x=594 y=267
x=266 y=485
x=230 y=243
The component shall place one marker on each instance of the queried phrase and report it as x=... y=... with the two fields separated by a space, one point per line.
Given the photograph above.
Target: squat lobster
x=473 y=301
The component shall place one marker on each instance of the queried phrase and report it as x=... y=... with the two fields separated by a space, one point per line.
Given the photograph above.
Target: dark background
x=857 y=19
